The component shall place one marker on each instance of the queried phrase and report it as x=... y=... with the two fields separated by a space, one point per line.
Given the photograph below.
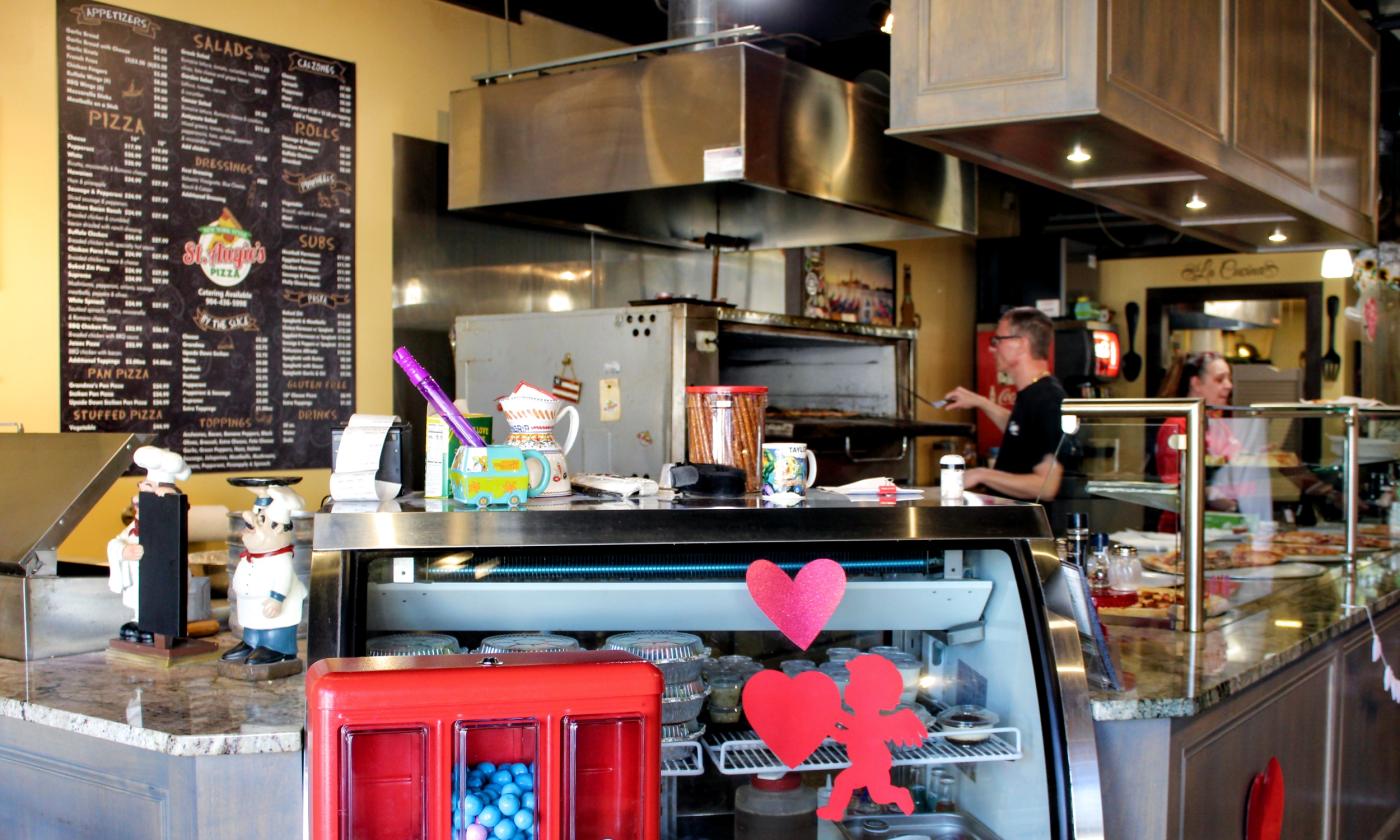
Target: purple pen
x=433 y=393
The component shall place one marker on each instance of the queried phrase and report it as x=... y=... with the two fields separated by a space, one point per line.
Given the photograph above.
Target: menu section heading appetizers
x=207 y=239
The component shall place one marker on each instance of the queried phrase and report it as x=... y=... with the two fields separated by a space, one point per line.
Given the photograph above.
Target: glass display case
x=950 y=593
x=1225 y=506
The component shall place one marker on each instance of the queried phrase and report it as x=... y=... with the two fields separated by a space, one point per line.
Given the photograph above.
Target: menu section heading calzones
x=207 y=239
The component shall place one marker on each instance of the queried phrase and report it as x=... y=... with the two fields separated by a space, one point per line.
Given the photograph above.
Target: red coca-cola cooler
x=538 y=746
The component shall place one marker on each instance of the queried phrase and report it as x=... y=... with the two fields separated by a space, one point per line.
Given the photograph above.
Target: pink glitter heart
x=799 y=608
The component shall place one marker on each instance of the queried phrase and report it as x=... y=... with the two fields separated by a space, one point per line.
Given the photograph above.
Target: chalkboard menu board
x=207 y=239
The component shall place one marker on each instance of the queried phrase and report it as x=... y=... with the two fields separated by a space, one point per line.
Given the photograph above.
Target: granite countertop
x=187 y=710
x=1176 y=674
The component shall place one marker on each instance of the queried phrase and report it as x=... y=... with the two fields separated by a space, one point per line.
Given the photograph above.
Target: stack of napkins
x=613 y=485
x=876 y=487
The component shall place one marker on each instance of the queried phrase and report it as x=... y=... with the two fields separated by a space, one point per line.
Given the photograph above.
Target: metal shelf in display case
x=744 y=753
x=682 y=758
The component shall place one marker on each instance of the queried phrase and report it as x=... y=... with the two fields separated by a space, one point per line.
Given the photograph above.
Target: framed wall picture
x=853 y=283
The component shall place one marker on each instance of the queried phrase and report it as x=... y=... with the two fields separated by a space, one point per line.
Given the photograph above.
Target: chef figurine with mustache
x=269 y=593
x=163 y=468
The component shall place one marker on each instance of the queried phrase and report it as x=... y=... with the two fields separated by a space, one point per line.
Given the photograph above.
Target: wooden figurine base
x=165 y=651
x=260 y=673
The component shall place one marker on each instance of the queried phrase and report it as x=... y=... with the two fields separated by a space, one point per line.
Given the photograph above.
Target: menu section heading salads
x=207 y=239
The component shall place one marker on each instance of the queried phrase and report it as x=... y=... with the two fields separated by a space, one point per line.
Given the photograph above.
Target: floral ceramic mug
x=787 y=468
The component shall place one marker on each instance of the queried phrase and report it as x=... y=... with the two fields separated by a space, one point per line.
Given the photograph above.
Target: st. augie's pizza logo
x=225 y=251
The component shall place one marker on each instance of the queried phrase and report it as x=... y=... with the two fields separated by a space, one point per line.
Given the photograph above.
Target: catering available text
x=207 y=239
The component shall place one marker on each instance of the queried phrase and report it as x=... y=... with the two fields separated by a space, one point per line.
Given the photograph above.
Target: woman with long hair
x=1204 y=376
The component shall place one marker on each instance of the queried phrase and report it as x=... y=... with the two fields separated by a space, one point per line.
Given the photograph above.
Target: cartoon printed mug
x=788 y=468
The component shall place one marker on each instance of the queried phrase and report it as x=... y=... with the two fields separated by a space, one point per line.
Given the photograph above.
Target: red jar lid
x=726 y=389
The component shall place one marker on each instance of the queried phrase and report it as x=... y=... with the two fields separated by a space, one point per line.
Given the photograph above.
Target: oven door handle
x=903 y=452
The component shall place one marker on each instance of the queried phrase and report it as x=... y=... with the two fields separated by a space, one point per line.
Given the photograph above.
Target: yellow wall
x=409 y=55
x=1121 y=281
x=944 y=275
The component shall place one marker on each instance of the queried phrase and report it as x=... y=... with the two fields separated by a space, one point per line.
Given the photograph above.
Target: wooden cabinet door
x=973 y=62
x=1273 y=72
x=1346 y=130
x=1288 y=717
x=1172 y=57
x=1369 y=748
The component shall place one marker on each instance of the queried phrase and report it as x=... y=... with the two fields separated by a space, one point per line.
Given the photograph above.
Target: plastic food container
x=726 y=690
x=793 y=667
x=411 y=644
x=528 y=643
x=682 y=702
x=678 y=655
x=724 y=425
x=966 y=721
x=842 y=654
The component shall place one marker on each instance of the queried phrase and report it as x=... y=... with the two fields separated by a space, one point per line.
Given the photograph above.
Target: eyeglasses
x=997 y=339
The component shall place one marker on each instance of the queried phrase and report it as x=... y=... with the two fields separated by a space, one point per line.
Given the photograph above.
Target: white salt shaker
x=950 y=476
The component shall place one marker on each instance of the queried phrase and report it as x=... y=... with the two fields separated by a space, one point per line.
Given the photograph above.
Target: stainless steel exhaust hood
x=732 y=140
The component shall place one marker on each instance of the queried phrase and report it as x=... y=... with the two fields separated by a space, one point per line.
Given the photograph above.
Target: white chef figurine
x=163 y=468
x=269 y=593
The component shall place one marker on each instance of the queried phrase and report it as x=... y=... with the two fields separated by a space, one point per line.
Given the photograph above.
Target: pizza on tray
x=1241 y=555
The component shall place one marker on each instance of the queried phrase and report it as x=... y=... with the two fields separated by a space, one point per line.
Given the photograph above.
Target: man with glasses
x=1025 y=467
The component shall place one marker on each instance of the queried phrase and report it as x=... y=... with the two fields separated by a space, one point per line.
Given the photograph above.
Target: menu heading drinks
x=207 y=239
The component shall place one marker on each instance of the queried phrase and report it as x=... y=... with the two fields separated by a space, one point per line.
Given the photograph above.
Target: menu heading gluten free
x=207 y=238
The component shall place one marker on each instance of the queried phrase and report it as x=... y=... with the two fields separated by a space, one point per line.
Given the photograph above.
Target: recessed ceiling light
x=1277 y=236
x=1077 y=154
x=1195 y=203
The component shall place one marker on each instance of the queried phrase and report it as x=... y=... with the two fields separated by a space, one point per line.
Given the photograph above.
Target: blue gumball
x=525 y=781
x=489 y=816
x=505 y=830
x=517 y=768
x=501 y=777
x=511 y=788
x=472 y=804
x=485 y=768
x=509 y=804
x=527 y=800
x=474 y=782
x=525 y=820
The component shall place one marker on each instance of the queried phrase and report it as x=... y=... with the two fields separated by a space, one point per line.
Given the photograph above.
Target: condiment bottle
x=950 y=476
x=1097 y=569
x=1077 y=539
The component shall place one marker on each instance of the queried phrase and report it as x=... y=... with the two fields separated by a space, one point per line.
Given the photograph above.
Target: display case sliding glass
x=952 y=593
x=1233 y=504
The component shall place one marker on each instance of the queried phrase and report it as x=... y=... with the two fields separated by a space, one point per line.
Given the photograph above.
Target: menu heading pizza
x=207 y=239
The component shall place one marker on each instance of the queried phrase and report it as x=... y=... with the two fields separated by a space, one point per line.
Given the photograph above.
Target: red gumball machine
x=551 y=746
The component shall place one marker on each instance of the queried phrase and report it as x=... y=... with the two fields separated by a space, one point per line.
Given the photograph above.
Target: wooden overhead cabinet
x=1248 y=123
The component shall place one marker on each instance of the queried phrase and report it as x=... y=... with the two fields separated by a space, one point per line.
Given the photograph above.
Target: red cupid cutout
x=874 y=688
x=799 y=608
x=794 y=715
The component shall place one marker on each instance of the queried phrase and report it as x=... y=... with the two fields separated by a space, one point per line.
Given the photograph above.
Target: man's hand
x=271 y=608
x=961 y=397
x=131 y=552
x=975 y=477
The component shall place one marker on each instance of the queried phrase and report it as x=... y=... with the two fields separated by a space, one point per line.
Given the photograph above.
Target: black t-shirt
x=1033 y=430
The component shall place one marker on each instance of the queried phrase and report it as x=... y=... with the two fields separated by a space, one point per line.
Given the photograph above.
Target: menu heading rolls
x=207 y=239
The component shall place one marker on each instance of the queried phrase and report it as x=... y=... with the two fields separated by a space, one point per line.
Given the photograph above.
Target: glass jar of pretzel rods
x=724 y=425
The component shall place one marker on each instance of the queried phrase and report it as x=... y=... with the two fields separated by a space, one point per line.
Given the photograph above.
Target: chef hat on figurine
x=279 y=503
x=161 y=465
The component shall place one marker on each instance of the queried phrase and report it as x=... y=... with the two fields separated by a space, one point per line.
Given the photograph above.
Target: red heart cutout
x=799 y=608
x=793 y=715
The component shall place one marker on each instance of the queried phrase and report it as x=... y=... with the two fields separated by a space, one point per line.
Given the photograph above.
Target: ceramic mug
x=788 y=468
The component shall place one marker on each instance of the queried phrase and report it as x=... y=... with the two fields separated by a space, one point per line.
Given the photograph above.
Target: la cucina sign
x=1229 y=268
